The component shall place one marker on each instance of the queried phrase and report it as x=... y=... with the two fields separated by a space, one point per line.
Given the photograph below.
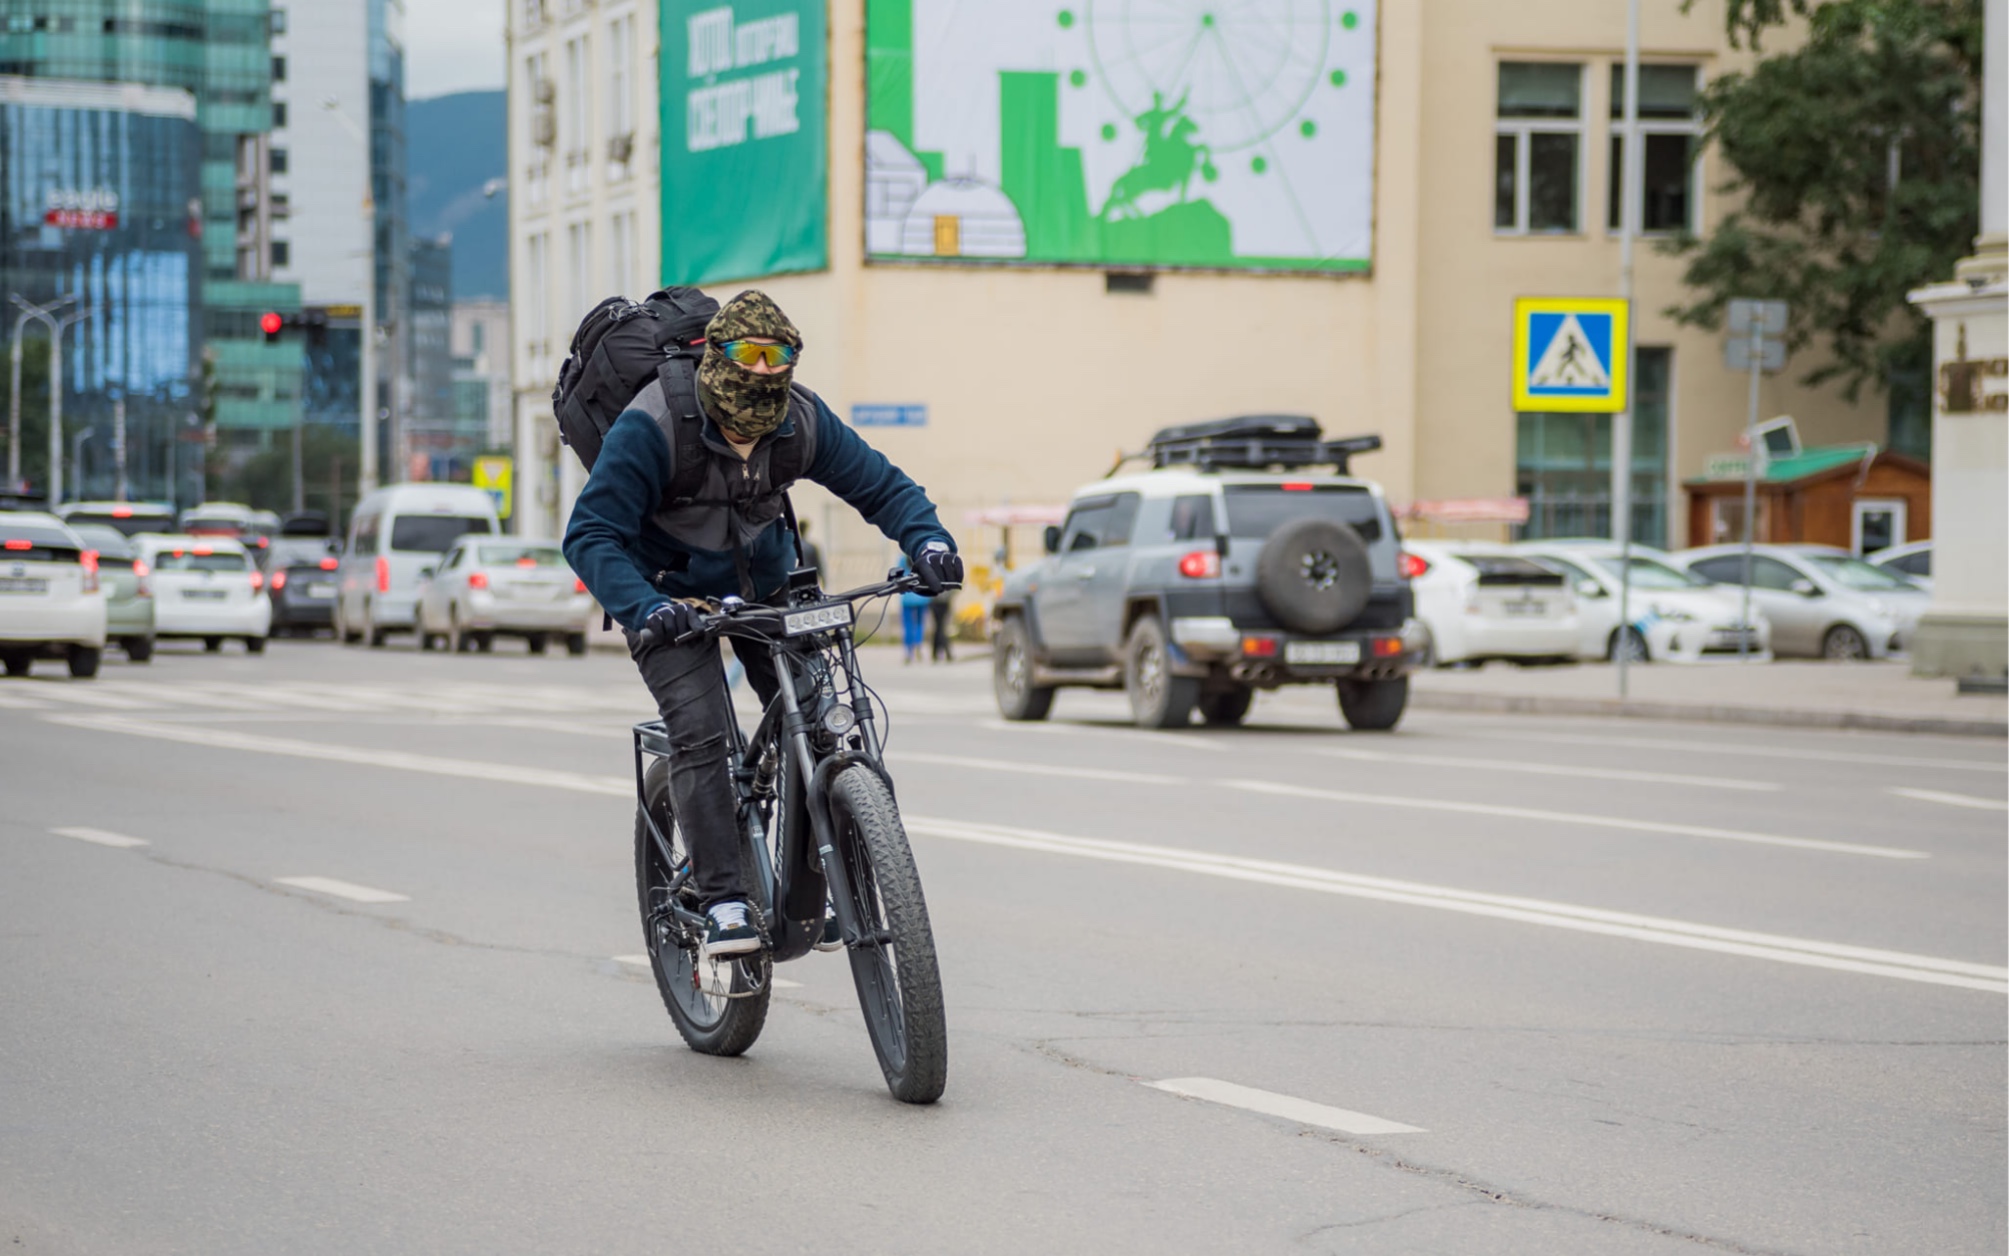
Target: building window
x=1670 y=137
x=278 y=161
x=279 y=69
x=578 y=269
x=620 y=77
x=1537 y=147
x=573 y=118
x=282 y=254
x=620 y=251
x=537 y=320
x=278 y=21
x=1563 y=462
x=278 y=115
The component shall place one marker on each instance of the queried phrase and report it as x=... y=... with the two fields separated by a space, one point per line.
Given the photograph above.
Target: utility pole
x=57 y=326
x=118 y=446
x=1621 y=423
x=40 y=313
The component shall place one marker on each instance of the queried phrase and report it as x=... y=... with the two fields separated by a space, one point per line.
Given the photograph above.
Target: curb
x=1868 y=721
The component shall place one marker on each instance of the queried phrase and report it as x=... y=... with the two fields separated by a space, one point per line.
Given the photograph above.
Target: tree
x=34 y=407
x=1812 y=137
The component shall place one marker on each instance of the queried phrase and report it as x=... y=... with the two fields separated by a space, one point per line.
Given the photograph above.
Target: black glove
x=938 y=568
x=668 y=622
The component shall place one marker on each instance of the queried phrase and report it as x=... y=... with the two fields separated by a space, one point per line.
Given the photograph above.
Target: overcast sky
x=452 y=46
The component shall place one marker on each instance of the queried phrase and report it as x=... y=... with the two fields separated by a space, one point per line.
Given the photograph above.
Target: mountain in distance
x=453 y=146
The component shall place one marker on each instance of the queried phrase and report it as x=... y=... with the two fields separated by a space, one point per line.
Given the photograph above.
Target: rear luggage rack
x=1253 y=442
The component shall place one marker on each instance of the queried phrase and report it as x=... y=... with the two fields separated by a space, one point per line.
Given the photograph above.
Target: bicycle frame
x=791 y=730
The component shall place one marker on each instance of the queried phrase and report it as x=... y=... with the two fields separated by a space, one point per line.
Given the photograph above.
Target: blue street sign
x=1569 y=354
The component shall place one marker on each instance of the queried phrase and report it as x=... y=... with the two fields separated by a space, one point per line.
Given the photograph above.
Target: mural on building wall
x=1157 y=133
x=745 y=168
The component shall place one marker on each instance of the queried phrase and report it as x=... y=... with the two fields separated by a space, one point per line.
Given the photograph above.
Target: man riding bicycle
x=652 y=561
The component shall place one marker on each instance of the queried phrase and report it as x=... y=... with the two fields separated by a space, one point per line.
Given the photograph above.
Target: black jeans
x=688 y=684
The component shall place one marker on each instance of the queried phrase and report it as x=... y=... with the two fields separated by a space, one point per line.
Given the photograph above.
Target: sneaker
x=833 y=935
x=731 y=931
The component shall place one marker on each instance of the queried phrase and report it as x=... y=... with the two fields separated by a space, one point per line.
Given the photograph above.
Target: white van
x=394 y=534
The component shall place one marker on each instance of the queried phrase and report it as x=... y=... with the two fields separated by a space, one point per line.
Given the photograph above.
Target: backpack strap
x=683 y=426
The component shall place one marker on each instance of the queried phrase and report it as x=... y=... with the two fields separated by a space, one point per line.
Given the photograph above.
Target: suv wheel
x=1373 y=706
x=1011 y=674
x=1158 y=699
x=1225 y=708
x=84 y=660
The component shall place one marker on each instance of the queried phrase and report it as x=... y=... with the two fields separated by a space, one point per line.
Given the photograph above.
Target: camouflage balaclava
x=746 y=404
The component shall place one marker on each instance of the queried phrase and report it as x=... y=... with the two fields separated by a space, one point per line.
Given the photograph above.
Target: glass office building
x=100 y=202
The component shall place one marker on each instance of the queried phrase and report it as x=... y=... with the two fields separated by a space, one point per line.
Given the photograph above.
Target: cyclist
x=652 y=563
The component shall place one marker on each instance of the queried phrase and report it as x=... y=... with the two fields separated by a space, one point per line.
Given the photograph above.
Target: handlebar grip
x=647 y=637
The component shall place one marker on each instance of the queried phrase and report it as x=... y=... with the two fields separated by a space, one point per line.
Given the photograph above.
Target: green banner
x=745 y=163
x=1220 y=134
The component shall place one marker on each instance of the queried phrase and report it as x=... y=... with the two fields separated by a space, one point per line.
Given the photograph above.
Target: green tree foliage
x=1809 y=137
x=34 y=407
x=264 y=481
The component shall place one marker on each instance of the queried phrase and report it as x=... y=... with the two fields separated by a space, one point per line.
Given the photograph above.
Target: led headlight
x=840 y=719
x=816 y=619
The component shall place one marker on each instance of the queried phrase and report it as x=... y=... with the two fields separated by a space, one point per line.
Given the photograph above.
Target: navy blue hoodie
x=614 y=545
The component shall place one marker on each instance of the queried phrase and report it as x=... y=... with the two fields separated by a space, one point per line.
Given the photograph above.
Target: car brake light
x=1387 y=647
x=278 y=581
x=20 y=545
x=90 y=561
x=1260 y=647
x=1200 y=565
x=329 y=564
x=1413 y=566
x=578 y=585
x=203 y=551
x=122 y=512
x=257 y=581
x=477 y=580
x=383 y=574
x=140 y=569
x=526 y=561
x=1297 y=486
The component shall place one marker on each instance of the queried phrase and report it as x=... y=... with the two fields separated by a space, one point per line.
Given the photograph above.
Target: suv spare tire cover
x=1313 y=575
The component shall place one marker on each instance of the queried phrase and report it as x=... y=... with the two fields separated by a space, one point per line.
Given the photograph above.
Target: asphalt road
x=1488 y=985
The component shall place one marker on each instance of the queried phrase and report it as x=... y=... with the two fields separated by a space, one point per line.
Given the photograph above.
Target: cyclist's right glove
x=670 y=621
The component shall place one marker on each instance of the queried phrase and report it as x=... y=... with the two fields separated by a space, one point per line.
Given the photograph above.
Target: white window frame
x=537 y=318
x=1522 y=130
x=620 y=251
x=1690 y=127
x=578 y=269
x=621 y=75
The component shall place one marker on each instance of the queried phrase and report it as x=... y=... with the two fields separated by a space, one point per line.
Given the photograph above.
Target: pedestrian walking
x=913 y=623
x=940 y=618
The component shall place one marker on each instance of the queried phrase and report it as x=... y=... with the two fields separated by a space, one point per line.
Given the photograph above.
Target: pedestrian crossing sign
x=1569 y=354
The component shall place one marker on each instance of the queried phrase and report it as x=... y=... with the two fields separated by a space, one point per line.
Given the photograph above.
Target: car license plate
x=1322 y=653
x=23 y=584
x=320 y=590
x=204 y=595
x=1525 y=607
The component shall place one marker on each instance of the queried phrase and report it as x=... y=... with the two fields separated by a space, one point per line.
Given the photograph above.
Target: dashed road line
x=1746 y=750
x=99 y=837
x=1807 y=952
x=1952 y=800
x=1548 y=769
x=1269 y=1103
x=1037 y=769
x=343 y=889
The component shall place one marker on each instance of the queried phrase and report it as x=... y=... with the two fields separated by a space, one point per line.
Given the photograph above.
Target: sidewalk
x=1881 y=696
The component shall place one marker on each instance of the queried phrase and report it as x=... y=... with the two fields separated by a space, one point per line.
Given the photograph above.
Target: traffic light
x=270 y=323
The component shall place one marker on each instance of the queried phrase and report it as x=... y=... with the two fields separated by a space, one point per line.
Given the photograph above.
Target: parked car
x=394 y=534
x=485 y=587
x=301 y=578
x=1912 y=560
x=130 y=518
x=128 y=589
x=1480 y=601
x=50 y=601
x=1674 y=615
x=207 y=587
x=1212 y=575
x=1822 y=602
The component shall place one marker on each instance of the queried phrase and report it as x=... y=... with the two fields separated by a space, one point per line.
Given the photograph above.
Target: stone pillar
x=1966 y=633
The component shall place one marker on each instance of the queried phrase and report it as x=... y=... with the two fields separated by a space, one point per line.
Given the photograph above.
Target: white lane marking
x=1269 y=1103
x=616 y=786
x=1037 y=769
x=1749 y=750
x=642 y=961
x=1545 y=769
x=1128 y=733
x=343 y=889
x=15 y=702
x=93 y=696
x=1952 y=800
x=1667 y=932
x=101 y=837
x=1572 y=817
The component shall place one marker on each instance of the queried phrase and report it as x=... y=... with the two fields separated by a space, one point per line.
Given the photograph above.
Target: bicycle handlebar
x=754 y=613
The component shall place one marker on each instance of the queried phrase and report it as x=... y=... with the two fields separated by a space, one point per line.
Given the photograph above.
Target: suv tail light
x=1259 y=647
x=143 y=571
x=1413 y=566
x=257 y=581
x=89 y=558
x=278 y=580
x=477 y=580
x=329 y=564
x=1200 y=565
x=383 y=574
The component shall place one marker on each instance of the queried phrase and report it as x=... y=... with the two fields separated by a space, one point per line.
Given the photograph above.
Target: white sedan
x=1483 y=602
x=487 y=586
x=50 y=599
x=206 y=587
x=1675 y=616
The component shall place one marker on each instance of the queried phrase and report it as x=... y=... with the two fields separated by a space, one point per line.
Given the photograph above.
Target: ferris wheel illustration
x=1239 y=71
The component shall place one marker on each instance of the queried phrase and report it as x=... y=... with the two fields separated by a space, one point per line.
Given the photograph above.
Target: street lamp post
x=1621 y=427
x=41 y=314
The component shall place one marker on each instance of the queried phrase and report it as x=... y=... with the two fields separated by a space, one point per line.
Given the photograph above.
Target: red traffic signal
x=270 y=323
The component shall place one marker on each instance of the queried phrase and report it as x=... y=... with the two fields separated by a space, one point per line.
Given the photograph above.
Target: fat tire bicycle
x=816 y=808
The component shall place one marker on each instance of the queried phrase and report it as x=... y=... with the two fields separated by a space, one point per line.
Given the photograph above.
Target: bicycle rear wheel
x=899 y=986
x=718 y=1006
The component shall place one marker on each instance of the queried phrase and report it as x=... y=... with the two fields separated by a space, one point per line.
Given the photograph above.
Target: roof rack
x=1255 y=442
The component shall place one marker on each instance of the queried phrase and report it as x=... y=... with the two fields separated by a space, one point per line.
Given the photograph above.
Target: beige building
x=1495 y=133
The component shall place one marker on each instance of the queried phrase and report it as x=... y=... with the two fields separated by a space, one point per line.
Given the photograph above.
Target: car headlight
x=1673 y=614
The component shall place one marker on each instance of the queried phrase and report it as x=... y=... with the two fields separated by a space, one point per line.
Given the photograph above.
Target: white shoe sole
x=742 y=946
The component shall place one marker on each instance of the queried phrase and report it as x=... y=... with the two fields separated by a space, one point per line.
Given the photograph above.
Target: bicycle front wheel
x=894 y=964
x=719 y=1005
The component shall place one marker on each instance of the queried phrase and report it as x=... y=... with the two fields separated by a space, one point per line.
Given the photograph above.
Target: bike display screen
x=816 y=619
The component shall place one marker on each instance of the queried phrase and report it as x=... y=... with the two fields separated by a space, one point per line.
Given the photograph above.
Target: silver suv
x=1245 y=558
